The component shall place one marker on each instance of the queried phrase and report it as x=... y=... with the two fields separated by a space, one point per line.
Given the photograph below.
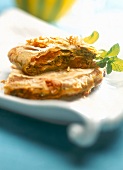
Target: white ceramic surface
x=85 y=117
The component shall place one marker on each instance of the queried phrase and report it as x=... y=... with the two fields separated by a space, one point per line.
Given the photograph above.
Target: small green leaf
x=117 y=64
x=101 y=64
x=92 y=38
x=103 y=53
x=112 y=59
x=114 y=50
x=109 y=68
x=104 y=60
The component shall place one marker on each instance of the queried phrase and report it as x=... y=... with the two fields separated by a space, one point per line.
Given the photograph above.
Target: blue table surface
x=29 y=144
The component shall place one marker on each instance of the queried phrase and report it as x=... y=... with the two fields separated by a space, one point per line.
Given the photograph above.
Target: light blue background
x=29 y=144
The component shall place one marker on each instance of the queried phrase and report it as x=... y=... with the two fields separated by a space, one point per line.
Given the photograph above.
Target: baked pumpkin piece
x=45 y=54
x=53 y=85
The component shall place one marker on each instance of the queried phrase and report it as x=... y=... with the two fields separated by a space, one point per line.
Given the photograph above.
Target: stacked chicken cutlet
x=53 y=67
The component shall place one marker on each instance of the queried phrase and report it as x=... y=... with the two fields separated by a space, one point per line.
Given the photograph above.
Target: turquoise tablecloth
x=29 y=144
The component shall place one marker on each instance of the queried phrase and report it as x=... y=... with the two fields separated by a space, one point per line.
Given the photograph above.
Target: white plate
x=85 y=117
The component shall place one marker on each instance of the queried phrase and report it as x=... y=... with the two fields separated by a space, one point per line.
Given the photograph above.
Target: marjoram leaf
x=108 y=68
x=114 y=50
x=117 y=65
x=103 y=53
x=92 y=38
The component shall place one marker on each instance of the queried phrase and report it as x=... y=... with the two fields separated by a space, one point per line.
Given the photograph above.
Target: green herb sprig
x=108 y=59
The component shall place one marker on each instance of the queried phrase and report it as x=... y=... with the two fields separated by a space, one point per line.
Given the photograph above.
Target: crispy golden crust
x=52 y=54
x=53 y=85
